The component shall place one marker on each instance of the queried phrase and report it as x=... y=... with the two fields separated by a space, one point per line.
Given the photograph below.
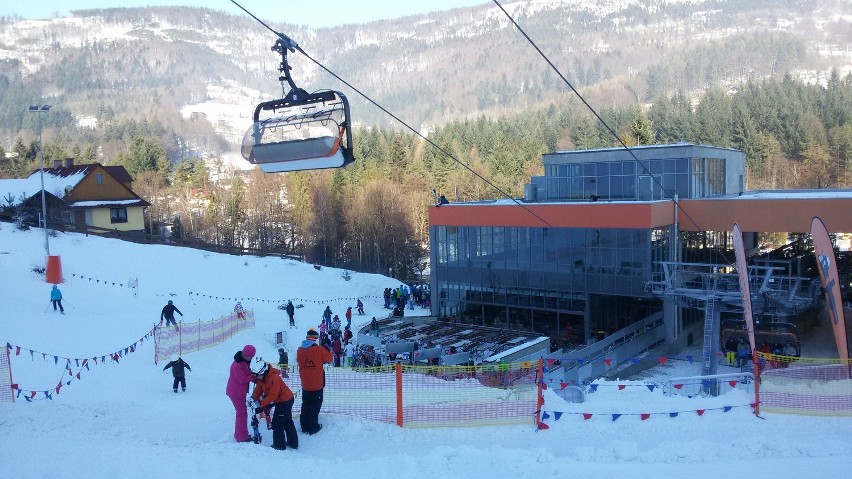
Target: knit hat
x=248 y=351
x=312 y=334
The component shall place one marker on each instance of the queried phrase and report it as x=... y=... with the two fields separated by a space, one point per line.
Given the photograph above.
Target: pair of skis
x=252 y=405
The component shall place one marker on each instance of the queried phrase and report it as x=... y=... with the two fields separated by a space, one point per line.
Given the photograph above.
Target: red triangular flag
x=542 y=425
x=733 y=383
x=563 y=385
x=550 y=362
x=700 y=412
x=587 y=416
x=621 y=386
x=663 y=360
x=608 y=362
x=678 y=386
x=644 y=416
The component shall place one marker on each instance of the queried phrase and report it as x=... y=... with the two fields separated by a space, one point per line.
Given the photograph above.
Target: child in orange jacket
x=270 y=391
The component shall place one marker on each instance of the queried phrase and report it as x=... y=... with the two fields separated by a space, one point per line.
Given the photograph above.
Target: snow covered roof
x=59 y=180
x=55 y=184
x=107 y=203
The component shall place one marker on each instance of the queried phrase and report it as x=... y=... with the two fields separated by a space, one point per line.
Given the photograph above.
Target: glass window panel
x=589 y=169
x=629 y=167
x=645 y=185
x=603 y=187
x=656 y=167
x=575 y=170
x=629 y=187
x=576 y=188
x=615 y=168
x=563 y=170
x=616 y=191
x=564 y=192
x=589 y=187
x=682 y=185
x=552 y=188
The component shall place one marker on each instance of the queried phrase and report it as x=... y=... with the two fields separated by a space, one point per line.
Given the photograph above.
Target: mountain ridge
x=191 y=63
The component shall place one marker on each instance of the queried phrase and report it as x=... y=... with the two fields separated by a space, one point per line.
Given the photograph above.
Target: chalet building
x=79 y=196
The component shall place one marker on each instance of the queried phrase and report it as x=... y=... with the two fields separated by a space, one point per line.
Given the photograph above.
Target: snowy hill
x=122 y=419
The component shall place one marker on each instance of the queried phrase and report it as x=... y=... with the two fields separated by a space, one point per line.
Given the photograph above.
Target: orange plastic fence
x=808 y=386
x=430 y=396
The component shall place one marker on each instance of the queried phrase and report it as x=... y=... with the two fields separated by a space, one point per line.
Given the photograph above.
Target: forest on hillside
x=372 y=215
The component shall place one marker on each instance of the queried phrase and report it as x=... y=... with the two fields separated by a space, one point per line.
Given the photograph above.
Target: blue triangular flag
x=557 y=415
x=594 y=387
x=689 y=358
x=672 y=414
x=650 y=387
x=544 y=415
x=727 y=408
x=615 y=416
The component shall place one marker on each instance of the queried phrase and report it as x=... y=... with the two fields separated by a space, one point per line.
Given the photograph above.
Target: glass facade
x=646 y=180
x=547 y=280
x=573 y=284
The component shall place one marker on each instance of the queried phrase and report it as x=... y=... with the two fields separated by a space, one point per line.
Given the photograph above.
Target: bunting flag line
x=131 y=284
x=99 y=281
x=651 y=387
x=283 y=301
x=662 y=360
x=642 y=416
x=81 y=363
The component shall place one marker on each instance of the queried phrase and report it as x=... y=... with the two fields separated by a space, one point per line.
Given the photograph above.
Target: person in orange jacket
x=311 y=357
x=271 y=391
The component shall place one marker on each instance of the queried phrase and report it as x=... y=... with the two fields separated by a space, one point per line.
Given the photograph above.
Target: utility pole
x=42 y=109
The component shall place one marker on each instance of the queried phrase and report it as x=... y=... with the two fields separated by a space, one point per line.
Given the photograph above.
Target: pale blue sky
x=314 y=13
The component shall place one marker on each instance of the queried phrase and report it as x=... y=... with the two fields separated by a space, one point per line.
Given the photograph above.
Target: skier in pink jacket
x=238 y=386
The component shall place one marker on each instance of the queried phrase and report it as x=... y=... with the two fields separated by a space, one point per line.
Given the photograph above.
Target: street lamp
x=42 y=109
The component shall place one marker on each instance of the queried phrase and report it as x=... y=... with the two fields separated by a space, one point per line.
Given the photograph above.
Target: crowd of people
x=738 y=353
x=402 y=297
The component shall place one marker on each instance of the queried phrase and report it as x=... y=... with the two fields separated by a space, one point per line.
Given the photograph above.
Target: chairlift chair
x=302 y=131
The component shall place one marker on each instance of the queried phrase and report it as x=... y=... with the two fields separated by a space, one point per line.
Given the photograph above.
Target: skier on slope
x=178 y=366
x=56 y=299
x=169 y=314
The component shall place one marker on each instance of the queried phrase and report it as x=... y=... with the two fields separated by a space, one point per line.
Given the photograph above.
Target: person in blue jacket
x=56 y=299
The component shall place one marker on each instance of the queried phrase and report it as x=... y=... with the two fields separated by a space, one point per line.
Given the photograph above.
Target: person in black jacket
x=169 y=313
x=178 y=365
x=290 y=310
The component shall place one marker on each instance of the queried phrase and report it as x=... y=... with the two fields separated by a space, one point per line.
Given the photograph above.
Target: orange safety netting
x=811 y=386
x=430 y=396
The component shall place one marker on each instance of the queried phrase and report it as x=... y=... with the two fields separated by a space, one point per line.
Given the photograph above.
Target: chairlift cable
x=295 y=47
x=595 y=113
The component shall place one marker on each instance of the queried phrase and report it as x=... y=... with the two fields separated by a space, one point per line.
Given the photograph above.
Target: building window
x=99 y=179
x=118 y=215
